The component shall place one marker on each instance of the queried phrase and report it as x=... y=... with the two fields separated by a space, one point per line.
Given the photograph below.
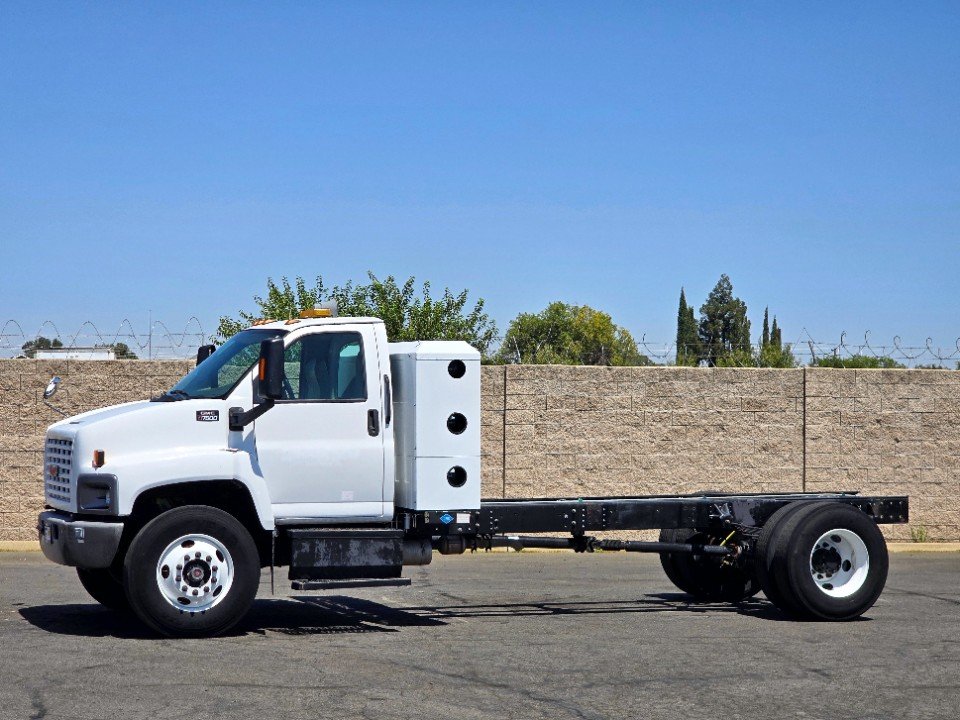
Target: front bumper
x=83 y=543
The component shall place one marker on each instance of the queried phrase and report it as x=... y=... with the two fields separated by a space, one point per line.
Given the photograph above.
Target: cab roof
x=297 y=323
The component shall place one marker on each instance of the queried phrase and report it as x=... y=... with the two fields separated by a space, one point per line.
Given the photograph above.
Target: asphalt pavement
x=519 y=635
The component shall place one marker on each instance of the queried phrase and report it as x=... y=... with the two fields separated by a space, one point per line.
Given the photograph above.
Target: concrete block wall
x=885 y=432
x=579 y=431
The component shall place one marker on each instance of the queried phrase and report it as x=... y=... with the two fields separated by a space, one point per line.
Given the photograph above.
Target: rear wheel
x=829 y=562
x=192 y=571
x=104 y=587
x=767 y=576
x=708 y=578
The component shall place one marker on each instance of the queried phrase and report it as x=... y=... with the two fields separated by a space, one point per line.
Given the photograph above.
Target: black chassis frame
x=747 y=512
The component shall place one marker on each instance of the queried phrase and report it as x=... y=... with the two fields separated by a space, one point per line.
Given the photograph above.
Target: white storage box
x=436 y=401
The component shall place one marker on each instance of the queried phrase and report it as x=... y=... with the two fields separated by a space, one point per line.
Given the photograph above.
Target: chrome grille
x=56 y=469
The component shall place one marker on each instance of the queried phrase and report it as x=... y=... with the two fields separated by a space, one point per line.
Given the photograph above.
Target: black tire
x=794 y=558
x=142 y=570
x=670 y=564
x=767 y=577
x=104 y=587
x=706 y=578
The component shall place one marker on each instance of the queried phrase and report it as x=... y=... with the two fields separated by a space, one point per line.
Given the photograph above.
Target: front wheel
x=104 y=587
x=192 y=572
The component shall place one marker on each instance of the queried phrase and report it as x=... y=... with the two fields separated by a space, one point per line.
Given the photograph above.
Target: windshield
x=216 y=376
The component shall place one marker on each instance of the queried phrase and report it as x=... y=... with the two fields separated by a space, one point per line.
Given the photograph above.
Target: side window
x=325 y=366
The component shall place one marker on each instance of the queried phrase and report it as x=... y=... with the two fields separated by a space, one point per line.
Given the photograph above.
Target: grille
x=56 y=469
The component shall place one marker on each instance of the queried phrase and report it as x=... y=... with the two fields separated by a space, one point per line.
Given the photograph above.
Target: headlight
x=97 y=493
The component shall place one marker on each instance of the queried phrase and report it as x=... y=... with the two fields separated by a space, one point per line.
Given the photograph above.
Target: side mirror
x=270 y=369
x=51 y=388
x=204 y=351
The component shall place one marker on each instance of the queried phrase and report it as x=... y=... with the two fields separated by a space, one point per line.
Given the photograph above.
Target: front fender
x=159 y=469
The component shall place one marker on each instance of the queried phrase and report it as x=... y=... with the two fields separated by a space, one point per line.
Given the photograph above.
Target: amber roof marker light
x=323 y=310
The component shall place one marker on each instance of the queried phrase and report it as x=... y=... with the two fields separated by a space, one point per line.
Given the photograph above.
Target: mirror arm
x=240 y=418
x=55 y=409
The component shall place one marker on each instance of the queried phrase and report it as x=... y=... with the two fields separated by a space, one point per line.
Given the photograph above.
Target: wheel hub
x=195 y=573
x=839 y=563
x=826 y=560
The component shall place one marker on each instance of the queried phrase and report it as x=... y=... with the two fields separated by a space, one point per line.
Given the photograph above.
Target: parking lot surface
x=516 y=635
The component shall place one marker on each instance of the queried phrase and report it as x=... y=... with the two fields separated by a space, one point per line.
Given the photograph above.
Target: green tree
x=866 y=362
x=724 y=326
x=772 y=352
x=41 y=343
x=688 y=341
x=123 y=352
x=407 y=314
x=563 y=334
x=776 y=356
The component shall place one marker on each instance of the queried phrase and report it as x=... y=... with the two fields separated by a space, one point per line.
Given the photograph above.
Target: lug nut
x=197 y=555
x=196 y=592
x=184 y=588
x=206 y=589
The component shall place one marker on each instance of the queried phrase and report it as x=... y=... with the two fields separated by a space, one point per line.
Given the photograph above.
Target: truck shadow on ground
x=336 y=615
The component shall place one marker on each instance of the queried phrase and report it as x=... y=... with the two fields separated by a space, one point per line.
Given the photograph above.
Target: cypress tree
x=765 y=339
x=688 y=342
x=681 y=315
x=775 y=339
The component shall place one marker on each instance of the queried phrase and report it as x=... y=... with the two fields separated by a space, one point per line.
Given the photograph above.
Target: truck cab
x=324 y=452
x=289 y=425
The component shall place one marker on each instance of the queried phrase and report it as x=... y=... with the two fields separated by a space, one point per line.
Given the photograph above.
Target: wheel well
x=227 y=495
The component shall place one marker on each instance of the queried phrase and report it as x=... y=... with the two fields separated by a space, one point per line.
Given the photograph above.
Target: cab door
x=321 y=448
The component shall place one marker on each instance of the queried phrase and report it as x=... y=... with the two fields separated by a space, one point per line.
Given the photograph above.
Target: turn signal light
x=262 y=369
x=99 y=458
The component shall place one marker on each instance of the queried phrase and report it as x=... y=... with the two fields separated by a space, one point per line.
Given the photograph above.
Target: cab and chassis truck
x=316 y=445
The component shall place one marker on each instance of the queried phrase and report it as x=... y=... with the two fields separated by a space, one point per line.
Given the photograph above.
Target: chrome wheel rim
x=195 y=573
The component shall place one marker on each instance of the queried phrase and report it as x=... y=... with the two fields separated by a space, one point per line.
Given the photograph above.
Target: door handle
x=373 y=422
x=387 y=401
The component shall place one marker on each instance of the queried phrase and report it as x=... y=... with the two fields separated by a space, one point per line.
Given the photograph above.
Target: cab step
x=338 y=584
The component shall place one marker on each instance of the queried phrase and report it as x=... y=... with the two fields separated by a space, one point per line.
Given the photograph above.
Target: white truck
x=316 y=444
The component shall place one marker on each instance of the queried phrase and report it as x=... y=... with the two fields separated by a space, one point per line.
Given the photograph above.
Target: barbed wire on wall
x=806 y=350
x=156 y=341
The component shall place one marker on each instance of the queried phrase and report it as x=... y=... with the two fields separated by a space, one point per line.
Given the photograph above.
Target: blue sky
x=170 y=157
